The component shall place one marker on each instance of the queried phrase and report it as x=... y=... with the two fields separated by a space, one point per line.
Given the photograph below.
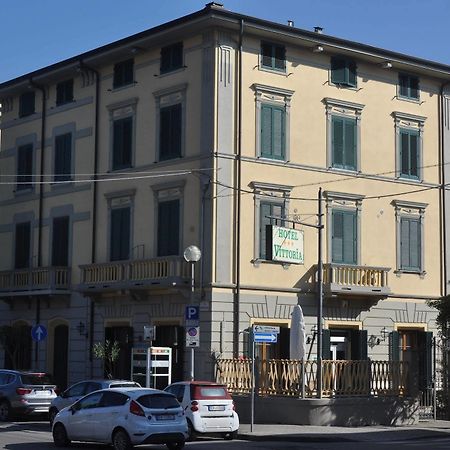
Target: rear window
x=36 y=378
x=201 y=392
x=117 y=385
x=158 y=401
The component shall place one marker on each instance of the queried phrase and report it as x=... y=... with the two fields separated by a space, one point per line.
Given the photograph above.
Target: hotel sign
x=284 y=244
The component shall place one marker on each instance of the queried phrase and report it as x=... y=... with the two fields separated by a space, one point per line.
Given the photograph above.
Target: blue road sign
x=192 y=312
x=266 y=338
x=38 y=333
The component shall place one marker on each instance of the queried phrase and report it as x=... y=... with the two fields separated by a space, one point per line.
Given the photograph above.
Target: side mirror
x=180 y=399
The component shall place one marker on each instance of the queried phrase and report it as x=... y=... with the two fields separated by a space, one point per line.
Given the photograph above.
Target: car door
x=73 y=394
x=80 y=424
x=108 y=415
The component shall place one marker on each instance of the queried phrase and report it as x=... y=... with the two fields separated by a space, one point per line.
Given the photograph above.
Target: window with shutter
x=24 y=167
x=343 y=72
x=169 y=228
x=122 y=143
x=267 y=210
x=26 y=104
x=170 y=132
x=64 y=92
x=123 y=73
x=409 y=153
x=408 y=87
x=344 y=142
x=344 y=237
x=22 y=245
x=120 y=234
x=63 y=157
x=410 y=244
x=171 y=57
x=273 y=132
x=60 y=241
x=273 y=56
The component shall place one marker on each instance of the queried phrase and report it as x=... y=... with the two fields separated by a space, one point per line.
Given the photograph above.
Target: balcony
x=167 y=271
x=349 y=280
x=35 y=281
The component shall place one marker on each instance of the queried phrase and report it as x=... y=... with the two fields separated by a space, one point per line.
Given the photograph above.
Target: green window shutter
x=60 y=241
x=280 y=57
x=24 y=166
x=337 y=238
x=350 y=238
x=122 y=143
x=414 y=87
x=266 y=53
x=410 y=244
x=120 y=234
x=278 y=137
x=351 y=71
x=176 y=130
x=414 y=245
x=404 y=244
x=338 y=68
x=170 y=129
x=168 y=228
x=403 y=85
x=358 y=343
x=394 y=346
x=266 y=131
x=414 y=155
x=425 y=359
x=22 y=245
x=265 y=209
x=63 y=156
x=337 y=124
x=349 y=153
x=404 y=153
x=326 y=344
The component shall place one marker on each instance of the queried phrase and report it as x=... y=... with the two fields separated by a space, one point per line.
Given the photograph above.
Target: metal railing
x=38 y=278
x=299 y=378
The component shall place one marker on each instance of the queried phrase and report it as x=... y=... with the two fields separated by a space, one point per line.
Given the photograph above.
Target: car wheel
x=175 y=445
x=51 y=415
x=4 y=411
x=121 y=440
x=60 y=436
x=191 y=432
x=230 y=436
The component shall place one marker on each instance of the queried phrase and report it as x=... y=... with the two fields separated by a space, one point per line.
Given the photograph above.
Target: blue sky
x=41 y=32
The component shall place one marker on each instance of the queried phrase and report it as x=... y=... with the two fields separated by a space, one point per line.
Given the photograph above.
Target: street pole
x=192 y=301
x=320 y=298
x=252 y=421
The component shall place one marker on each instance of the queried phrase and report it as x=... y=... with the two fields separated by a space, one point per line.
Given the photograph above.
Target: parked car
x=78 y=390
x=123 y=417
x=25 y=393
x=208 y=406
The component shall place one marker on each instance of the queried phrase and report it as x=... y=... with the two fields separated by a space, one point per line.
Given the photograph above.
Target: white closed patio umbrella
x=297 y=348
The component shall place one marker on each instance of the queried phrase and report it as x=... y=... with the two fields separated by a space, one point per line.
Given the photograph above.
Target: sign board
x=266 y=329
x=265 y=338
x=38 y=333
x=192 y=336
x=149 y=332
x=192 y=316
x=284 y=244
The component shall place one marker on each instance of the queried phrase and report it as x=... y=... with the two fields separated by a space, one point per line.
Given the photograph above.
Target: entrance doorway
x=18 y=347
x=124 y=336
x=60 y=355
x=172 y=336
x=339 y=347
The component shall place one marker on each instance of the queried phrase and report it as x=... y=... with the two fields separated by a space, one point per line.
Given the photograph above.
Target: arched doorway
x=60 y=355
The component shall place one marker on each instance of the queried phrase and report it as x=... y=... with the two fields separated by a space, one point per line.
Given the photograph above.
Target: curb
x=292 y=438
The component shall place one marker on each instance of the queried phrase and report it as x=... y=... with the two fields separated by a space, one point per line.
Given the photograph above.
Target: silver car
x=78 y=390
x=23 y=393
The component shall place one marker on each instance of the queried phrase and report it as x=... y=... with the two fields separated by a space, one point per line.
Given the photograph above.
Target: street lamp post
x=192 y=254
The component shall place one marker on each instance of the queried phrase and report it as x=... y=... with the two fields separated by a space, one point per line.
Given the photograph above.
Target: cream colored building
x=202 y=131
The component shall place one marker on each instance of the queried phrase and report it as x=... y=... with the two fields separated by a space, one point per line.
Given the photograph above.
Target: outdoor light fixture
x=318 y=49
x=81 y=328
x=386 y=65
x=384 y=333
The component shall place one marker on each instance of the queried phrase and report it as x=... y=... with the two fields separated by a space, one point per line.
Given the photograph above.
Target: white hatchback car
x=208 y=406
x=123 y=417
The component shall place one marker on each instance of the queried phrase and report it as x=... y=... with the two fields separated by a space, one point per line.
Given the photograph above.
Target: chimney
x=214 y=4
x=290 y=23
x=318 y=30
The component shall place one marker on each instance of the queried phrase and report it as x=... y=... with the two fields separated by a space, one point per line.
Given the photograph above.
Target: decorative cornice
x=332 y=195
x=334 y=102
x=262 y=88
x=408 y=117
x=259 y=186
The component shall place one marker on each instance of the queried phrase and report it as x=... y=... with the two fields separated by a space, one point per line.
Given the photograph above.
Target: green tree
x=109 y=353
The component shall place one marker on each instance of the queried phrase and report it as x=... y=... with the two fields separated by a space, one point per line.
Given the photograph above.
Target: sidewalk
x=310 y=433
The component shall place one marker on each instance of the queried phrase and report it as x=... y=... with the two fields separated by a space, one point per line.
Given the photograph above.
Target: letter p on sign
x=192 y=312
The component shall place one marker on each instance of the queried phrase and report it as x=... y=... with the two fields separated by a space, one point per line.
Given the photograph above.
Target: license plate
x=165 y=417
x=216 y=408
x=42 y=393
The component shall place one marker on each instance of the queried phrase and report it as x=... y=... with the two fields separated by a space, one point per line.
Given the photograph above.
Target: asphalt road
x=34 y=435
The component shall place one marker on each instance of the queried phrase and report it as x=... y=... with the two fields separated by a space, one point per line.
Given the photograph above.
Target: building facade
x=204 y=131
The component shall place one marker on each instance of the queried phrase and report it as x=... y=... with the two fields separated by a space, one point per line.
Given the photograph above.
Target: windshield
x=36 y=378
x=163 y=401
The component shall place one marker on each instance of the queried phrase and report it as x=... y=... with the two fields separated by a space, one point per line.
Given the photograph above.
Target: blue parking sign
x=192 y=312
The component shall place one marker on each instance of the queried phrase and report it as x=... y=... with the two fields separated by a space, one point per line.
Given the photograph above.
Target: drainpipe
x=237 y=293
x=441 y=107
x=40 y=208
x=202 y=237
x=94 y=208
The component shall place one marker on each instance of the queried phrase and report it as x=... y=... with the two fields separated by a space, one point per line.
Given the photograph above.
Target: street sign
x=149 y=332
x=192 y=337
x=192 y=316
x=265 y=338
x=266 y=329
x=38 y=333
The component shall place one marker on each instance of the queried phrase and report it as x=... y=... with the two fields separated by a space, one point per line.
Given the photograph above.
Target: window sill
x=419 y=272
x=407 y=178
x=344 y=86
x=171 y=71
x=273 y=70
x=257 y=261
x=268 y=158
x=409 y=99
x=123 y=87
x=343 y=170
